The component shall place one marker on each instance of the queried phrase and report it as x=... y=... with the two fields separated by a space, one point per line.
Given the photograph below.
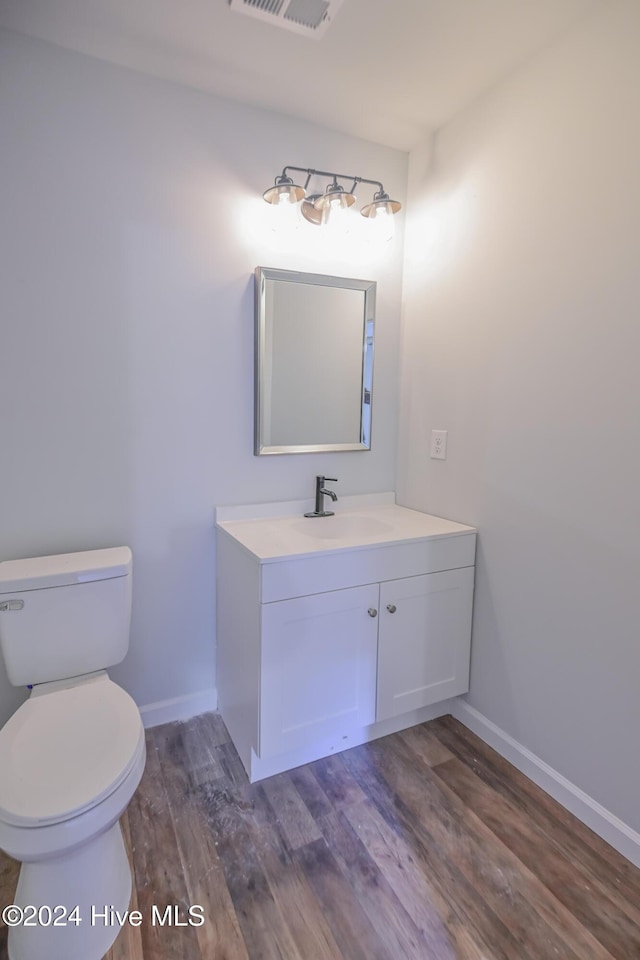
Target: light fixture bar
x=318 y=208
x=329 y=173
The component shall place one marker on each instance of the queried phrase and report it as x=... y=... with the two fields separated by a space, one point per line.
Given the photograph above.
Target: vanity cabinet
x=335 y=646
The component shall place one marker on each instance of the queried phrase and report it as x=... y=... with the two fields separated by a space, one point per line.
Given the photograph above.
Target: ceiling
x=390 y=71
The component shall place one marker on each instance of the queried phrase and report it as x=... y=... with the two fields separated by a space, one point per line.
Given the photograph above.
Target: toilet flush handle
x=11 y=605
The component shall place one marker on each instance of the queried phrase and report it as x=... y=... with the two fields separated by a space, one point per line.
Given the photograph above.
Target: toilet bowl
x=71 y=758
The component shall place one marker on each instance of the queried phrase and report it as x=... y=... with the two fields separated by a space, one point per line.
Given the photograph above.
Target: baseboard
x=616 y=833
x=179 y=708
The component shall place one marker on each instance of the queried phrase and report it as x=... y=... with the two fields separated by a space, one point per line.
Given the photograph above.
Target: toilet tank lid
x=17 y=576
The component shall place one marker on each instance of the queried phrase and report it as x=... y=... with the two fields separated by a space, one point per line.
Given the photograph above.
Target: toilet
x=73 y=754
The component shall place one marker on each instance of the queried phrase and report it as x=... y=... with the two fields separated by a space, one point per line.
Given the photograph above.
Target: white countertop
x=279 y=531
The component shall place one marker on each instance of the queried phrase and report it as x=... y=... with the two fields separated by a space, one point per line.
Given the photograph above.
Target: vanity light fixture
x=321 y=208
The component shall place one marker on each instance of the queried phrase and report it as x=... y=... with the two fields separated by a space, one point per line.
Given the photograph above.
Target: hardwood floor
x=425 y=845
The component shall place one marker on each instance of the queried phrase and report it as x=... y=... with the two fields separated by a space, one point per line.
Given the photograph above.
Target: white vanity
x=337 y=630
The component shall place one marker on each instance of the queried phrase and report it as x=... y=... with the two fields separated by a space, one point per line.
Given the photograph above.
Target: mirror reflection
x=314 y=362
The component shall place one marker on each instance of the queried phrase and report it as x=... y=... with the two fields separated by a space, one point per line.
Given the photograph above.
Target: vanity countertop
x=273 y=532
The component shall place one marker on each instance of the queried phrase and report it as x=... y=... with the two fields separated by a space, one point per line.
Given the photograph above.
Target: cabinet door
x=424 y=643
x=318 y=667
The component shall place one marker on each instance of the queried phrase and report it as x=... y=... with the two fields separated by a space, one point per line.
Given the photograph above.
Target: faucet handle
x=332 y=479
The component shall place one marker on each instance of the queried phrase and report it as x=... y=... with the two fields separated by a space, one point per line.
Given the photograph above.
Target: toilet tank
x=66 y=615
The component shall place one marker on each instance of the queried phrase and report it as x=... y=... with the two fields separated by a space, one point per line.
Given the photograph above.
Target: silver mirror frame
x=368 y=287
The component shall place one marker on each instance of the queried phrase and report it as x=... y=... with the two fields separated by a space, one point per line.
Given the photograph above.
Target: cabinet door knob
x=373 y=612
x=391 y=607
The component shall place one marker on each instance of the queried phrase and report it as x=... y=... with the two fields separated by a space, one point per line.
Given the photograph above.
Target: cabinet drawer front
x=318 y=663
x=424 y=641
x=351 y=568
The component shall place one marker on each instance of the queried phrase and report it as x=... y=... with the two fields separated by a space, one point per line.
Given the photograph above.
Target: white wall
x=126 y=349
x=522 y=338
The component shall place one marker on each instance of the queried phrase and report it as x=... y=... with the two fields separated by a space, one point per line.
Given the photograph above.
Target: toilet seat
x=67 y=749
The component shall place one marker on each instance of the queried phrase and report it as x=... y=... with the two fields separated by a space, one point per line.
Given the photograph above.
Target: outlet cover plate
x=438 y=450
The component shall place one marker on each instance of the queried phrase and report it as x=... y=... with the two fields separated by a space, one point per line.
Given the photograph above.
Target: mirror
x=314 y=362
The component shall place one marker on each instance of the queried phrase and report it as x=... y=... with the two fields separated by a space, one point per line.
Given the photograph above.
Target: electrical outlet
x=438 y=445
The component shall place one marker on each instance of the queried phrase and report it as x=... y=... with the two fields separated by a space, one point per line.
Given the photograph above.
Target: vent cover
x=309 y=17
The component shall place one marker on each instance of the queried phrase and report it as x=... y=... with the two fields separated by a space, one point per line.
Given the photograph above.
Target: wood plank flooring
x=425 y=845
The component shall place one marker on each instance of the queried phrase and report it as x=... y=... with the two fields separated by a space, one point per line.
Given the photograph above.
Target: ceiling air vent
x=309 y=17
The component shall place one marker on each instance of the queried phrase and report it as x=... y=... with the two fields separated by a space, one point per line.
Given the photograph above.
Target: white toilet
x=73 y=754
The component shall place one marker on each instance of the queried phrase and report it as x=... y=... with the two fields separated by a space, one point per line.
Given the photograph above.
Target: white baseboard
x=616 y=833
x=179 y=708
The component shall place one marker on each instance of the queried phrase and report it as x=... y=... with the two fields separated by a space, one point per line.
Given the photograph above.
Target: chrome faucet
x=321 y=493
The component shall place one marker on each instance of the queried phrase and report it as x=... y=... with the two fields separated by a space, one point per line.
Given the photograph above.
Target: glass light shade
x=284 y=215
x=334 y=210
x=382 y=223
x=333 y=206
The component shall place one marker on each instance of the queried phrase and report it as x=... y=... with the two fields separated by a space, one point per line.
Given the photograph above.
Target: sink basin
x=341 y=527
